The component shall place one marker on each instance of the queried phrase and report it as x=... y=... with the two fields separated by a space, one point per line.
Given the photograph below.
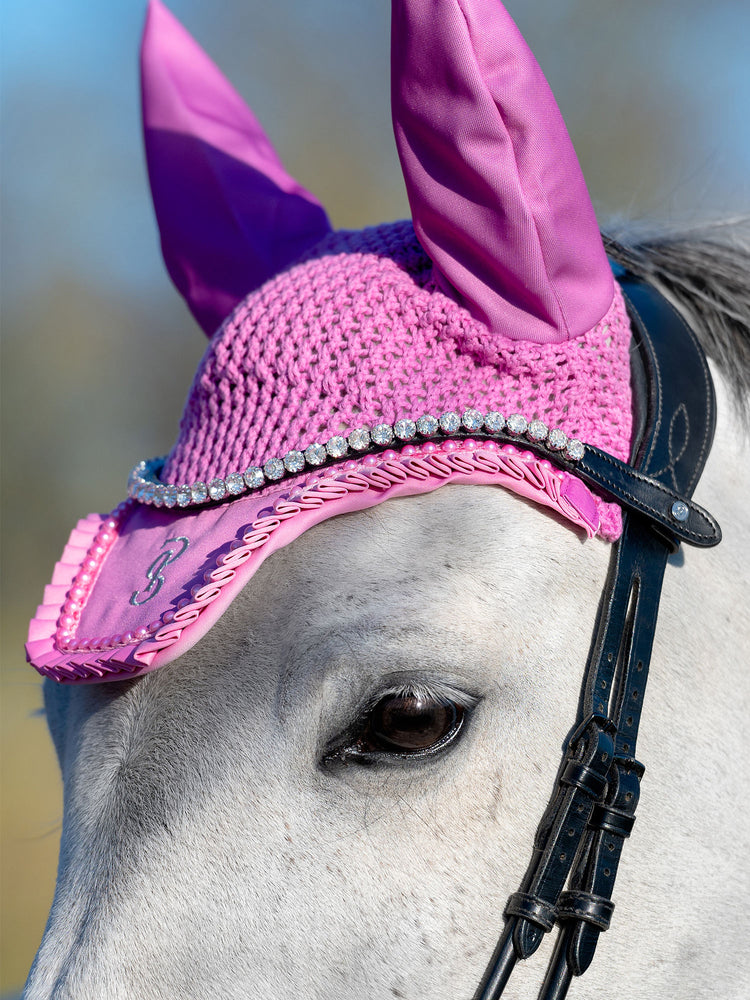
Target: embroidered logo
x=155 y=572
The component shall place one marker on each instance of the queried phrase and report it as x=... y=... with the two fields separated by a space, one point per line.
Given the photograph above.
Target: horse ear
x=497 y=195
x=230 y=216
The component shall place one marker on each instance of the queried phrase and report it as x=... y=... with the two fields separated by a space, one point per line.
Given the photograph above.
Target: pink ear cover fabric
x=355 y=334
x=497 y=195
x=360 y=332
x=360 y=328
x=229 y=214
x=136 y=589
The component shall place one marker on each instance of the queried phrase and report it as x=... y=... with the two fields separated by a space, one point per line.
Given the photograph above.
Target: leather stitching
x=708 y=394
x=642 y=505
x=674 y=459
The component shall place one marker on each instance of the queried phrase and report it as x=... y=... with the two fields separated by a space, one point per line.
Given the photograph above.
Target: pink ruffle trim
x=56 y=649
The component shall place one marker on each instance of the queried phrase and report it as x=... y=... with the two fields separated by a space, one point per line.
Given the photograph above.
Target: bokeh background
x=98 y=350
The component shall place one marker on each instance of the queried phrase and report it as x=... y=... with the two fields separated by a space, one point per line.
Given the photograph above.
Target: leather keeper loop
x=611 y=820
x=596 y=910
x=583 y=777
x=522 y=904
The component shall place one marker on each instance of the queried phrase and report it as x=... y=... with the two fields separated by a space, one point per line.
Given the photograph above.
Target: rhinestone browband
x=145 y=486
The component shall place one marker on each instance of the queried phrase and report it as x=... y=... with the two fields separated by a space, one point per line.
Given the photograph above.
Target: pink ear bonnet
x=480 y=342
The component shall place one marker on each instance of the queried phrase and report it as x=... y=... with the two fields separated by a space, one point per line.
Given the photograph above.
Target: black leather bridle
x=579 y=840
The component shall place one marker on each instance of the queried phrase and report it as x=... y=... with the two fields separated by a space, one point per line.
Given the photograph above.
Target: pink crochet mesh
x=357 y=333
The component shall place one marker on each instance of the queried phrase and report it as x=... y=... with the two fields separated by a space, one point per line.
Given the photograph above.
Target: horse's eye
x=403 y=724
x=410 y=723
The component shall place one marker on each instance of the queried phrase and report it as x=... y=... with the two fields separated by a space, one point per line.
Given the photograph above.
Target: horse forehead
x=424 y=543
x=456 y=570
x=436 y=579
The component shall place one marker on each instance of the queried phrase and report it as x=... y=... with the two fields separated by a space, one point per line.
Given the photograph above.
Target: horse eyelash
x=437 y=691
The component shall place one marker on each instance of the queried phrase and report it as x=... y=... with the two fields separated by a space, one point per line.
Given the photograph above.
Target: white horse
x=334 y=793
x=217 y=841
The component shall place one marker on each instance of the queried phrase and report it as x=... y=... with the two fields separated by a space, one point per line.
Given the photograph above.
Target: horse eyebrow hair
x=434 y=690
x=327 y=646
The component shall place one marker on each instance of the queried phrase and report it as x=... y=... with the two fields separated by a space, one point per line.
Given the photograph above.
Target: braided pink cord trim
x=357 y=334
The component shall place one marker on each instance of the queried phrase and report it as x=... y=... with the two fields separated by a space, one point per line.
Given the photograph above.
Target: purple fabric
x=496 y=192
x=230 y=216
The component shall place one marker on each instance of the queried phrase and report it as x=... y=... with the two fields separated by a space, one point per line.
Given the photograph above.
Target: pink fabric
x=348 y=329
x=497 y=196
x=138 y=588
x=229 y=214
x=359 y=333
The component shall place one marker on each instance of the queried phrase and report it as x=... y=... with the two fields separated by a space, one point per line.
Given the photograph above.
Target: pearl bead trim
x=95 y=537
x=145 y=486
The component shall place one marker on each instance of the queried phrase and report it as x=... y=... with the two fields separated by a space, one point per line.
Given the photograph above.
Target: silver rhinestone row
x=144 y=484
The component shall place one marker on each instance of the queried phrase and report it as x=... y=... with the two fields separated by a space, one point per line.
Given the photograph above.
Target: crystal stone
x=184 y=496
x=294 y=461
x=337 y=446
x=405 y=429
x=217 y=489
x=449 y=422
x=254 y=477
x=274 y=469
x=170 y=496
x=235 y=483
x=537 y=431
x=557 y=439
x=472 y=420
x=316 y=454
x=428 y=425
x=574 y=451
x=382 y=434
x=158 y=500
x=494 y=421
x=680 y=511
x=359 y=439
x=199 y=492
x=516 y=424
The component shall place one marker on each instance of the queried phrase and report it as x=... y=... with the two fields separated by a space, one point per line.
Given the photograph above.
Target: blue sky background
x=74 y=186
x=98 y=350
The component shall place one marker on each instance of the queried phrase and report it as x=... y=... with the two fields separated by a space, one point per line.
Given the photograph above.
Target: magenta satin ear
x=230 y=216
x=497 y=195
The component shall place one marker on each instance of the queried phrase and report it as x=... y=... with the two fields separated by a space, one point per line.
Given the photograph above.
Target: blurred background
x=98 y=350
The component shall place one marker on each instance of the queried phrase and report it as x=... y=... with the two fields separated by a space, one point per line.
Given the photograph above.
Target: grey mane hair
x=706 y=272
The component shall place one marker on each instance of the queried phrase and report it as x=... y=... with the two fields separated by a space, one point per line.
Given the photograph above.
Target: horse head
x=309 y=681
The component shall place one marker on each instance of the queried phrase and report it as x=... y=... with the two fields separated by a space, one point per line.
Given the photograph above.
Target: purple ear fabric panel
x=498 y=199
x=229 y=215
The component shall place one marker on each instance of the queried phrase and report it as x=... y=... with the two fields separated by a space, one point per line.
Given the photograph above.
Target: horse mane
x=706 y=271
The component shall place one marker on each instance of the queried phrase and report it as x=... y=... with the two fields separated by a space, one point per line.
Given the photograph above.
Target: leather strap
x=592 y=810
x=671 y=509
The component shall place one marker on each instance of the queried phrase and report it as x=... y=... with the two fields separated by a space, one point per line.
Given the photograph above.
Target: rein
x=578 y=843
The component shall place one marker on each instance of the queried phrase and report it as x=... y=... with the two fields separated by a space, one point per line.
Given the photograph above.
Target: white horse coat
x=209 y=850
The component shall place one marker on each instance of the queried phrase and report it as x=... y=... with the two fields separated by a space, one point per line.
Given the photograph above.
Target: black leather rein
x=579 y=840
